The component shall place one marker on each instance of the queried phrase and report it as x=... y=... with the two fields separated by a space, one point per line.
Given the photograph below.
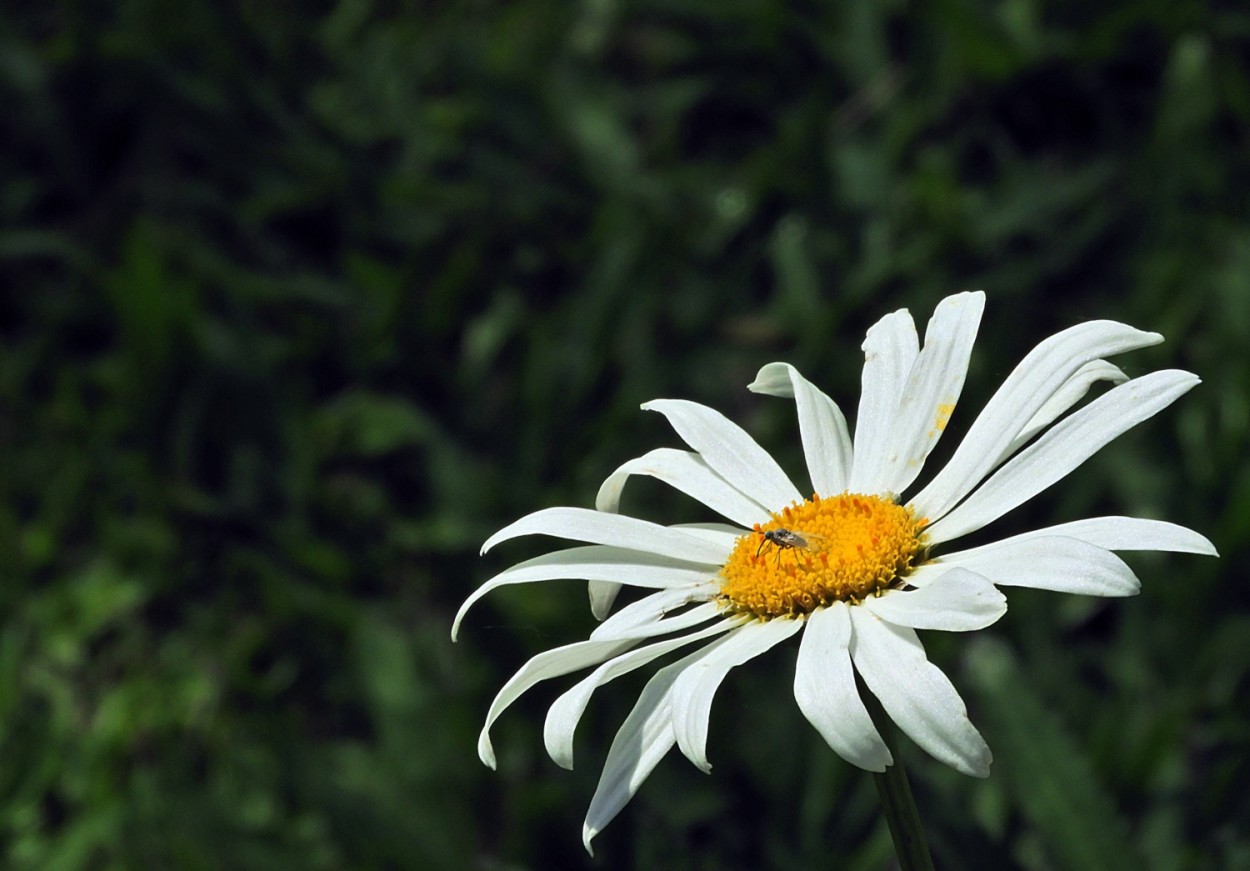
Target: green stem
x=896 y=800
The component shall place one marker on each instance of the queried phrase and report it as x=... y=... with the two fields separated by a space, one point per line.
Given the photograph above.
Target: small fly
x=789 y=538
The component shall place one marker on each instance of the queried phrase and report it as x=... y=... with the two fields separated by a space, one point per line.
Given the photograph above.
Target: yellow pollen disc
x=821 y=551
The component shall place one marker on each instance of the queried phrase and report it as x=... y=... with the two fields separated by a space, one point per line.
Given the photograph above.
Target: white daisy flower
x=858 y=567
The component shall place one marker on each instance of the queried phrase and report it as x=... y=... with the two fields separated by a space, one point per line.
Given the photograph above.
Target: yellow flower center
x=814 y=553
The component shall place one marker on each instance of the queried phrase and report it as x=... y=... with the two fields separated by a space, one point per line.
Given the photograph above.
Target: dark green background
x=300 y=301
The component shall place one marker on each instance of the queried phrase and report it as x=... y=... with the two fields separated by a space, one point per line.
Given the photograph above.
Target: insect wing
x=812 y=541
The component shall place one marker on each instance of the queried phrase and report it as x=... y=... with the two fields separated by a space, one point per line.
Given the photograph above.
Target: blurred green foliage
x=299 y=302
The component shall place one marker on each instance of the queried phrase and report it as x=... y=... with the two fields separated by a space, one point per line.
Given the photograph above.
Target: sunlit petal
x=958 y=600
x=1062 y=448
x=688 y=472
x=1043 y=371
x=616 y=530
x=822 y=427
x=1050 y=562
x=889 y=351
x=825 y=690
x=695 y=689
x=930 y=391
x=916 y=694
x=728 y=449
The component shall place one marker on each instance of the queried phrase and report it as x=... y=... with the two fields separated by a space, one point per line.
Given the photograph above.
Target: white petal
x=598 y=527
x=642 y=741
x=602 y=595
x=932 y=389
x=1127 y=533
x=566 y=711
x=720 y=534
x=590 y=563
x=890 y=348
x=1069 y=394
x=695 y=689
x=548 y=664
x=581 y=654
x=916 y=694
x=956 y=601
x=824 y=687
x=685 y=471
x=728 y=449
x=1062 y=448
x=1066 y=565
x=822 y=427
x=648 y=616
x=1021 y=396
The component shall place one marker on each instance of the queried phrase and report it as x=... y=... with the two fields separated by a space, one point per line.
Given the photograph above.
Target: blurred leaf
x=1053 y=783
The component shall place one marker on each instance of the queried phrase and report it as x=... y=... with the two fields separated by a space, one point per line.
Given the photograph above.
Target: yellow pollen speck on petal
x=944 y=412
x=811 y=554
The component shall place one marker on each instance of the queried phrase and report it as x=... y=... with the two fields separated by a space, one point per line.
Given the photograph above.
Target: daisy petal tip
x=975 y=297
x=984 y=770
x=486 y=752
x=1130 y=587
x=697 y=758
x=587 y=834
x=459 y=618
x=560 y=751
x=771 y=379
x=561 y=757
x=976 y=764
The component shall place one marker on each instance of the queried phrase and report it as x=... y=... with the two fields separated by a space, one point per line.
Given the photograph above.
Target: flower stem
x=896 y=800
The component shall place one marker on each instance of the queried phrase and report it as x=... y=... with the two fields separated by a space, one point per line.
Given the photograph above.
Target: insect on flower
x=790 y=538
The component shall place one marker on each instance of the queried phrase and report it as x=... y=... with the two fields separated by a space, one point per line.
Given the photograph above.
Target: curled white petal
x=565 y=713
x=602 y=595
x=728 y=449
x=1128 y=533
x=1069 y=394
x=822 y=426
x=931 y=390
x=1050 y=562
x=617 y=530
x=580 y=654
x=890 y=349
x=916 y=694
x=958 y=600
x=1062 y=448
x=721 y=534
x=697 y=685
x=685 y=471
x=825 y=690
x=649 y=615
x=1031 y=383
x=641 y=742
x=548 y=664
x=593 y=562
